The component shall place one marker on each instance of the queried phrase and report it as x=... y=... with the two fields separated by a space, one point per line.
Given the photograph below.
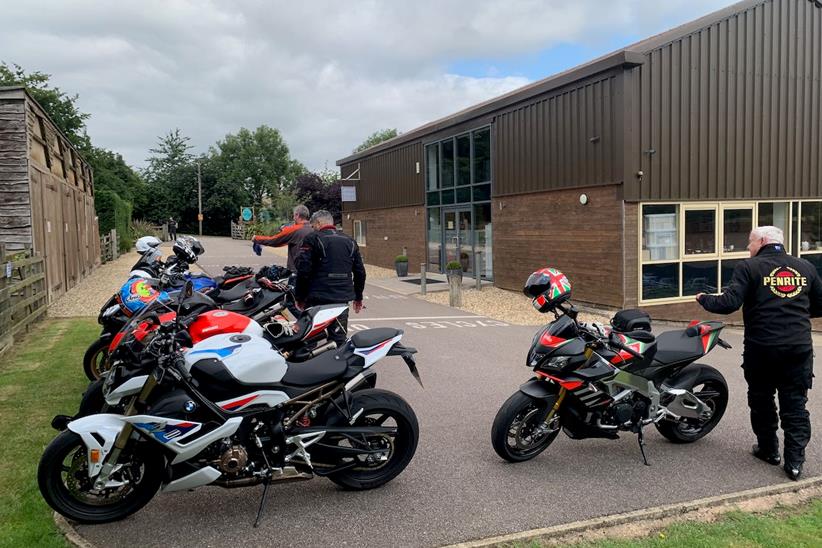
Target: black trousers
x=337 y=331
x=788 y=373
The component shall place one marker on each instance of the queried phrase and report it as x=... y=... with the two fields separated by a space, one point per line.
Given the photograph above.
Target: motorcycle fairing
x=129 y=388
x=249 y=359
x=373 y=354
x=271 y=398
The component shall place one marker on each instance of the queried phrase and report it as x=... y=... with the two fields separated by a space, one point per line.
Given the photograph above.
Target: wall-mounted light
x=594 y=139
x=583 y=199
x=348 y=216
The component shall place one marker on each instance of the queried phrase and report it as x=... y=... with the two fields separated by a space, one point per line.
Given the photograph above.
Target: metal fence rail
x=23 y=295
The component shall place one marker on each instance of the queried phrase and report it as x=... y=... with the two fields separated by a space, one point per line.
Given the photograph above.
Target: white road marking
x=477 y=321
x=417 y=318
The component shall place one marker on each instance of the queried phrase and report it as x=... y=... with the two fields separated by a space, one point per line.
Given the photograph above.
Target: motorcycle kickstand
x=641 y=439
x=266 y=483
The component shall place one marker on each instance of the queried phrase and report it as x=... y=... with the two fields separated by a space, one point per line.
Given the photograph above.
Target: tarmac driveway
x=456 y=488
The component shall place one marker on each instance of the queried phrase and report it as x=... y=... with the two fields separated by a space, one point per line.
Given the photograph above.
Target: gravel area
x=373 y=272
x=508 y=306
x=86 y=298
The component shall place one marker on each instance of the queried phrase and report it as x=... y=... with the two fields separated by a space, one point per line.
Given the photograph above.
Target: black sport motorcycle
x=594 y=383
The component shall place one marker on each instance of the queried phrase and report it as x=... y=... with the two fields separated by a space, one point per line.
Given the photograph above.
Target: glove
x=257 y=248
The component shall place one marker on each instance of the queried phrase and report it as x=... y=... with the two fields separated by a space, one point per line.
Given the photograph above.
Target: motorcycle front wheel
x=64 y=483
x=95 y=360
x=519 y=433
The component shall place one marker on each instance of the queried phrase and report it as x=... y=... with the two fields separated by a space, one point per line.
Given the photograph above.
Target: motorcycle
x=594 y=382
x=231 y=411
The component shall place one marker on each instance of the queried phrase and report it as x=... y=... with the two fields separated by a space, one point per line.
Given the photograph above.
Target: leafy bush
x=453 y=265
x=114 y=212
x=140 y=228
x=263 y=229
x=401 y=259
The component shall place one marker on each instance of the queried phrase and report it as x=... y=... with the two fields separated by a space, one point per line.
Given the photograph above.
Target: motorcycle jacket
x=778 y=293
x=292 y=235
x=330 y=268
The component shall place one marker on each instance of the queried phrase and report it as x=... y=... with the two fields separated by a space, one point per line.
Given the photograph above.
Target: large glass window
x=727 y=271
x=736 y=227
x=482 y=155
x=660 y=281
x=700 y=231
x=659 y=235
x=810 y=238
x=447 y=163
x=775 y=214
x=434 y=237
x=483 y=239
x=432 y=153
x=699 y=277
x=464 y=160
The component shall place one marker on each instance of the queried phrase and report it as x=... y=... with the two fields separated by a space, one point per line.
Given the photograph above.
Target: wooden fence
x=23 y=294
x=109 y=246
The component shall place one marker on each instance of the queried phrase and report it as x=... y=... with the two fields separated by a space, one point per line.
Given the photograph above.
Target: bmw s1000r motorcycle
x=595 y=383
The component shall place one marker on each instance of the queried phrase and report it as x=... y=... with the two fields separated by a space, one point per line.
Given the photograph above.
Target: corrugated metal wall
x=563 y=140
x=733 y=110
x=389 y=179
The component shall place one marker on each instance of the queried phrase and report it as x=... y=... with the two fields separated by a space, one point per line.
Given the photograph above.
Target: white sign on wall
x=349 y=193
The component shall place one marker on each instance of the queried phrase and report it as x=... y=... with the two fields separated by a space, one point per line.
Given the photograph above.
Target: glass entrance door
x=458 y=237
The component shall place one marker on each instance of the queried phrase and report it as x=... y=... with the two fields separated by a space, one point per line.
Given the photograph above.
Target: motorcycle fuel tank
x=249 y=358
x=218 y=322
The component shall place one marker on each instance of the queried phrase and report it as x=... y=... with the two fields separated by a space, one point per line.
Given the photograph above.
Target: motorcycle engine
x=629 y=411
x=233 y=459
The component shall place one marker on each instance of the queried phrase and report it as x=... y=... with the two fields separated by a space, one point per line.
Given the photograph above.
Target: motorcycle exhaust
x=289 y=473
x=317 y=351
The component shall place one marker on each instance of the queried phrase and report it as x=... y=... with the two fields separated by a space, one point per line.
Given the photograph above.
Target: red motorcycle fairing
x=217 y=322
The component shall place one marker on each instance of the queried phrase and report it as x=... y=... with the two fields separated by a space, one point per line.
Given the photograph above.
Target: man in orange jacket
x=291 y=235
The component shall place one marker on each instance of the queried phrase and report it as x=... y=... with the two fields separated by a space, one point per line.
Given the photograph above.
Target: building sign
x=247 y=214
x=349 y=193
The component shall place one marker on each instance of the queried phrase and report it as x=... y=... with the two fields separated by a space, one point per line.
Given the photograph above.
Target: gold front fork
x=555 y=408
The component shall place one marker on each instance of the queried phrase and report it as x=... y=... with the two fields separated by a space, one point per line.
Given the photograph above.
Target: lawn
x=39 y=378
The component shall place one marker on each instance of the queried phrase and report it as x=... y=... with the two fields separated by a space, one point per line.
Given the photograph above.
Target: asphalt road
x=456 y=488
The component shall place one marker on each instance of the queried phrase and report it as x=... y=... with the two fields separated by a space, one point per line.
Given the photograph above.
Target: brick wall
x=402 y=226
x=532 y=231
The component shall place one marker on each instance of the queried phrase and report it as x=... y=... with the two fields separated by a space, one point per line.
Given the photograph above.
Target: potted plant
x=401 y=265
x=454 y=268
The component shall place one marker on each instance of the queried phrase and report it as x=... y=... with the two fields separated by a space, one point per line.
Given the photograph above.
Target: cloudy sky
x=325 y=73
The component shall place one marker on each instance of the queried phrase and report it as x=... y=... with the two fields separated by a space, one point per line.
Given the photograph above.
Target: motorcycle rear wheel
x=711 y=388
x=517 y=434
x=380 y=408
x=95 y=360
x=64 y=483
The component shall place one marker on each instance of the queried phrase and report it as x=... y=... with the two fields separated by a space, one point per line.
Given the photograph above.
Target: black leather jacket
x=778 y=293
x=329 y=268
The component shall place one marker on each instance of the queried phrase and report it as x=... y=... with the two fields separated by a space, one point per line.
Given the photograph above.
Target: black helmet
x=548 y=287
x=184 y=249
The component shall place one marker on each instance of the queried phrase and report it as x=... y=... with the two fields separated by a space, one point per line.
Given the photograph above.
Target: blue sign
x=247 y=214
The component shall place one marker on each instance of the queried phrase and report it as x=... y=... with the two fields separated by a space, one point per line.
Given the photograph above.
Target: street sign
x=349 y=193
x=199 y=216
x=247 y=214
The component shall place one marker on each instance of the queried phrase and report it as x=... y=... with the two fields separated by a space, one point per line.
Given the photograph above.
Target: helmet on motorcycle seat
x=184 y=250
x=548 y=287
x=147 y=243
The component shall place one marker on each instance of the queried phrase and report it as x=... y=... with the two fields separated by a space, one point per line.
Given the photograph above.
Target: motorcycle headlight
x=558 y=362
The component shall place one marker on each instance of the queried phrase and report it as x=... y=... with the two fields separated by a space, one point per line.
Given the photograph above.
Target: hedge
x=114 y=212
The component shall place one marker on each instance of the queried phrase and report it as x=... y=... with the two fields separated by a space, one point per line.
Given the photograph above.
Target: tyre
x=92 y=401
x=64 y=483
x=394 y=451
x=95 y=360
x=710 y=387
x=518 y=433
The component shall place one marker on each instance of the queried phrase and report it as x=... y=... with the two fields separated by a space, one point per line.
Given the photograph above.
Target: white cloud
x=326 y=73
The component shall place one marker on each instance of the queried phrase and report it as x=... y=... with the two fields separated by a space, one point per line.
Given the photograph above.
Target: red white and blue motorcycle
x=232 y=411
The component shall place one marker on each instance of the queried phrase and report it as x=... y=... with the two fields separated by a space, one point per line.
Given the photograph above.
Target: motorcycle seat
x=373 y=337
x=227 y=295
x=325 y=367
x=676 y=346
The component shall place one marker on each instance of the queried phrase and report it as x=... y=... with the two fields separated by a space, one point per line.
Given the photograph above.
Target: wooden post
x=3 y=256
x=113 y=244
x=477 y=273
x=455 y=291
x=422 y=279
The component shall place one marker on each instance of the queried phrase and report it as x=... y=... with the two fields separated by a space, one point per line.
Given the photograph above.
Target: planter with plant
x=401 y=265
x=454 y=268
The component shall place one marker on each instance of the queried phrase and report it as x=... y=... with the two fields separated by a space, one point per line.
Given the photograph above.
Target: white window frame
x=719 y=207
x=359 y=235
x=800 y=252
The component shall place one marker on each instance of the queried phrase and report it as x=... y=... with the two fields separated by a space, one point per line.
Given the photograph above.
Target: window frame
x=359 y=234
x=799 y=251
x=719 y=233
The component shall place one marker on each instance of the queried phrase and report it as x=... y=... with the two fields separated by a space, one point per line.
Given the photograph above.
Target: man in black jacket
x=779 y=294
x=330 y=271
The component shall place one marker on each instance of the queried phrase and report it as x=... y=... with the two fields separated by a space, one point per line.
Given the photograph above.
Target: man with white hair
x=779 y=294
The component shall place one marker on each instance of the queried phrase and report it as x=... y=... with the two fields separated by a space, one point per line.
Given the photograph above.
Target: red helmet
x=548 y=287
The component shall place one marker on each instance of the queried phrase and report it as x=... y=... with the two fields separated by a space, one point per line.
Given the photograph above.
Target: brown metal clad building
x=46 y=193
x=639 y=174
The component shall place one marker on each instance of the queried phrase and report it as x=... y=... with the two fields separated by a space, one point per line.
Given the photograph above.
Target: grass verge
x=40 y=377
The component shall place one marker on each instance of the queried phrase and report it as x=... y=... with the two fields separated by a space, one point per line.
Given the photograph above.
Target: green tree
x=112 y=173
x=61 y=107
x=259 y=162
x=171 y=182
x=376 y=138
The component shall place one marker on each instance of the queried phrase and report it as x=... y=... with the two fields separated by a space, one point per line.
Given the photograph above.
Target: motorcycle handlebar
x=612 y=341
